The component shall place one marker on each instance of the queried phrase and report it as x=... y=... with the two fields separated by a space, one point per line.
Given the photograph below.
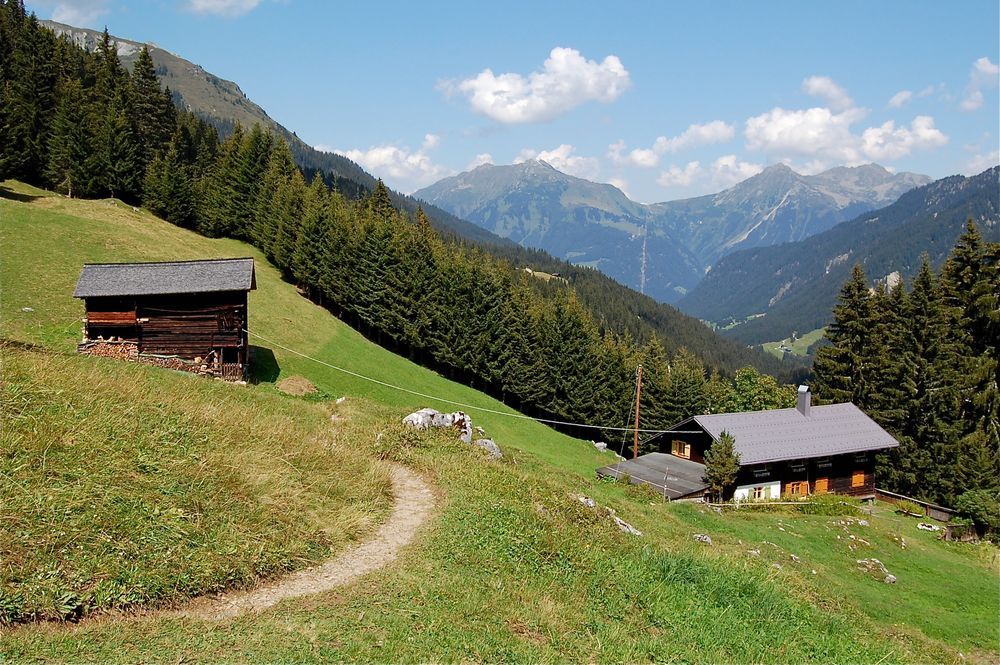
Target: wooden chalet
x=192 y=311
x=783 y=452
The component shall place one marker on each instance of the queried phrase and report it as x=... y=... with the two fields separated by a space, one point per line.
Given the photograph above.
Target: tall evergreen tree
x=841 y=373
x=69 y=144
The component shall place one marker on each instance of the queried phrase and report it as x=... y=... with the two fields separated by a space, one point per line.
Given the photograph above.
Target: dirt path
x=412 y=506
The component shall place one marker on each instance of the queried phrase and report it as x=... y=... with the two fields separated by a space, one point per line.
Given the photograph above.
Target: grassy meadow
x=512 y=567
x=800 y=347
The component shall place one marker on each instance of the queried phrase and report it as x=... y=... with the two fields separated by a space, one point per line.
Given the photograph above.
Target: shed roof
x=169 y=277
x=786 y=434
x=672 y=476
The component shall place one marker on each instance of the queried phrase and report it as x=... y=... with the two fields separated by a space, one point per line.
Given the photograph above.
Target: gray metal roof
x=784 y=434
x=667 y=474
x=143 y=279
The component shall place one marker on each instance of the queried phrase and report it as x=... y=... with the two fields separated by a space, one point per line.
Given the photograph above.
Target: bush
x=980 y=506
x=829 y=504
x=909 y=507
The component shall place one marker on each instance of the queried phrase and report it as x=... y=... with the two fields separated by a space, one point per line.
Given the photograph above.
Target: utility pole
x=638 y=394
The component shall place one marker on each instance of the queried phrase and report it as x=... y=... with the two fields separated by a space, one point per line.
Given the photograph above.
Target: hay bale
x=296 y=386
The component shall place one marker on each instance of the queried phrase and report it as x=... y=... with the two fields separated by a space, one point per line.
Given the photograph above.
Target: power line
x=471 y=407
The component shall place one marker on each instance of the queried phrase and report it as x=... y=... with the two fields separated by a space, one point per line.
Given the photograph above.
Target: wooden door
x=822 y=486
x=858 y=479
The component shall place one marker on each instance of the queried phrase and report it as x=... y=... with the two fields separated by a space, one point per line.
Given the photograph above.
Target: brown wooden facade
x=206 y=326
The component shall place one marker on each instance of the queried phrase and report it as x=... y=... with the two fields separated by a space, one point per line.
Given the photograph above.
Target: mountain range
x=662 y=249
x=794 y=286
x=613 y=306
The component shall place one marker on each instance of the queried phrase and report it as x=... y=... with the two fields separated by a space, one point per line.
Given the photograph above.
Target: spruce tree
x=841 y=373
x=69 y=143
x=722 y=464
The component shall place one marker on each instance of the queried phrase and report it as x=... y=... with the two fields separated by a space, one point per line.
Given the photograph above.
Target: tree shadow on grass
x=263 y=365
x=16 y=196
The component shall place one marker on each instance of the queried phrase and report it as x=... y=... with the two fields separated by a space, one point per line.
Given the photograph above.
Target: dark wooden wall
x=185 y=325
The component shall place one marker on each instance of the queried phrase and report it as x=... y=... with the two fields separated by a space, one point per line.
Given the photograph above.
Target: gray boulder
x=489 y=446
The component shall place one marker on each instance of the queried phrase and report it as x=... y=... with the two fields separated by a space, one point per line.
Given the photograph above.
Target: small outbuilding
x=191 y=312
x=783 y=452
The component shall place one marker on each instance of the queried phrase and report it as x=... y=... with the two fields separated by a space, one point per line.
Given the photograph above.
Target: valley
x=259 y=405
x=512 y=566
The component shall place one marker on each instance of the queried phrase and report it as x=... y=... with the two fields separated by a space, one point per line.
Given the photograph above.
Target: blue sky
x=664 y=99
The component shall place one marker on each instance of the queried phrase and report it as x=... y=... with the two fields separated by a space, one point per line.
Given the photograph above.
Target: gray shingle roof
x=784 y=434
x=143 y=279
x=667 y=474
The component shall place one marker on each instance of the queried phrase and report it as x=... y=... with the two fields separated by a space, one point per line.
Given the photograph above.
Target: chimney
x=804 y=399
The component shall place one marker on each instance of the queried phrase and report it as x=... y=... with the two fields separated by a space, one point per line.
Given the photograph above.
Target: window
x=758 y=493
x=822 y=486
x=762 y=470
x=858 y=479
x=797 y=488
x=681 y=449
x=797 y=467
x=860 y=457
x=823 y=463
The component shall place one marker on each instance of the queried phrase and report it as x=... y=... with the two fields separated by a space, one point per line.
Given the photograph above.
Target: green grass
x=512 y=567
x=800 y=347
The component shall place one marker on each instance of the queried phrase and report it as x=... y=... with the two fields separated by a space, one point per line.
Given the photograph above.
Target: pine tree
x=169 y=191
x=722 y=464
x=153 y=110
x=69 y=144
x=841 y=374
x=687 y=394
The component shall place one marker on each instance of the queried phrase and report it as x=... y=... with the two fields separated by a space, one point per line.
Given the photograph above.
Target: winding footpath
x=413 y=504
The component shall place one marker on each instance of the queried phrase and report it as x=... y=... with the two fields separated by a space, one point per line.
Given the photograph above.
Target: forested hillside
x=795 y=285
x=923 y=363
x=222 y=105
x=82 y=124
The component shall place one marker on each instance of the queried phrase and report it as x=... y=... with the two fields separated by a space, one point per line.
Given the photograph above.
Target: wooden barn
x=783 y=452
x=192 y=312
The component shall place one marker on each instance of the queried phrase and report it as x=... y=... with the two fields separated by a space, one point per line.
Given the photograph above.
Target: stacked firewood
x=119 y=350
x=168 y=363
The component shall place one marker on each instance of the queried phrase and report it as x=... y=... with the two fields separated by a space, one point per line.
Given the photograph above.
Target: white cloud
x=402 y=168
x=980 y=163
x=566 y=80
x=815 y=132
x=825 y=88
x=563 y=159
x=431 y=141
x=479 y=160
x=676 y=176
x=81 y=13
x=984 y=75
x=824 y=136
x=729 y=170
x=641 y=157
x=695 y=135
x=972 y=101
x=888 y=142
x=228 y=8
x=716 y=131
x=900 y=98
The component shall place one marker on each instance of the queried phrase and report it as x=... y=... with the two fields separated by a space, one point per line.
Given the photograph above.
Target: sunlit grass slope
x=513 y=567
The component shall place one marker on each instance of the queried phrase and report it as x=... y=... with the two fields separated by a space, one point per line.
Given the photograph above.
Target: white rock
x=587 y=501
x=341 y=400
x=600 y=445
x=489 y=446
x=702 y=538
x=625 y=526
x=420 y=419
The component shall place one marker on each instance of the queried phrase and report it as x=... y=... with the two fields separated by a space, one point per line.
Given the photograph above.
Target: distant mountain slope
x=222 y=103
x=584 y=222
x=778 y=205
x=594 y=224
x=795 y=285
